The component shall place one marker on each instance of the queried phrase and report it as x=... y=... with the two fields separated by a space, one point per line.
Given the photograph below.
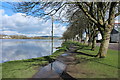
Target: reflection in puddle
x=64 y=54
x=53 y=70
x=17 y=49
x=58 y=67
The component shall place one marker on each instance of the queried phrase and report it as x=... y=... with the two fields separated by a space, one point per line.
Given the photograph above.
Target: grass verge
x=27 y=68
x=92 y=67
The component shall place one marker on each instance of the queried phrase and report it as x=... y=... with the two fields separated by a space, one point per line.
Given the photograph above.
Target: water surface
x=18 y=49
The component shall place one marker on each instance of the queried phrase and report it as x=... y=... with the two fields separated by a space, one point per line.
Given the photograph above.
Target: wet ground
x=65 y=66
x=57 y=69
x=52 y=70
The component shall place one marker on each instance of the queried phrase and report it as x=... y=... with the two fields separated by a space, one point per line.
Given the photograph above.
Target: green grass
x=27 y=68
x=99 y=67
x=111 y=58
x=92 y=66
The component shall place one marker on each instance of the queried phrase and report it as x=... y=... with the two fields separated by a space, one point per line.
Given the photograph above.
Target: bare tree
x=104 y=23
x=102 y=14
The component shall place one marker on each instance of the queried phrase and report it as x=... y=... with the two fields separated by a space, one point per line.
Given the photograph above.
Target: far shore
x=33 y=38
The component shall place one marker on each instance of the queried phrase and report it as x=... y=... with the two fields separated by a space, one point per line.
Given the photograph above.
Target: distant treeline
x=25 y=37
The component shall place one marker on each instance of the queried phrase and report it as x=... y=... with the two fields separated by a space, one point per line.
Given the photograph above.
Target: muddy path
x=56 y=69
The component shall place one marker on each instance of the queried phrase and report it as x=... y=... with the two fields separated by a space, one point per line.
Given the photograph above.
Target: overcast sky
x=17 y=24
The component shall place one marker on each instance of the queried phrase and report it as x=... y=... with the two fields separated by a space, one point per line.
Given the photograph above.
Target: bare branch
x=117 y=14
x=106 y=7
x=112 y=12
x=88 y=4
x=86 y=13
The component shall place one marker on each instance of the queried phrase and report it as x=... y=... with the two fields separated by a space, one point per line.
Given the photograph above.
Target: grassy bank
x=92 y=67
x=27 y=68
x=85 y=66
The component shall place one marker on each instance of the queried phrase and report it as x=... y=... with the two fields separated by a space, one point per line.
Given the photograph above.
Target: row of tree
x=25 y=37
x=79 y=25
x=91 y=17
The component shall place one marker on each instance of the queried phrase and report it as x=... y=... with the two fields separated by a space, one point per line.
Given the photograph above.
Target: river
x=18 y=49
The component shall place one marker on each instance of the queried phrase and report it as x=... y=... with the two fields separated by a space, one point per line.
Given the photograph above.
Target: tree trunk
x=90 y=40
x=80 y=40
x=104 y=44
x=93 y=43
x=86 y=39
x=90 y=43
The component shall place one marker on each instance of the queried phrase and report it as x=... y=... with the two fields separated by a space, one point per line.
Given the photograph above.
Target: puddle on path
x=53 y=70
x=65 y=54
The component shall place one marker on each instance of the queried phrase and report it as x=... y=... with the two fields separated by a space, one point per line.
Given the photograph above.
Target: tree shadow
x=88 y=49
x=66 y=76
x=106 y=64
x=95 y=60
x=85 y=54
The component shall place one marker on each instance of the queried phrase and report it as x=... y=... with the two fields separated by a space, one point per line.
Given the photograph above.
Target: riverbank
x=85 y=64
x=27 y=68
